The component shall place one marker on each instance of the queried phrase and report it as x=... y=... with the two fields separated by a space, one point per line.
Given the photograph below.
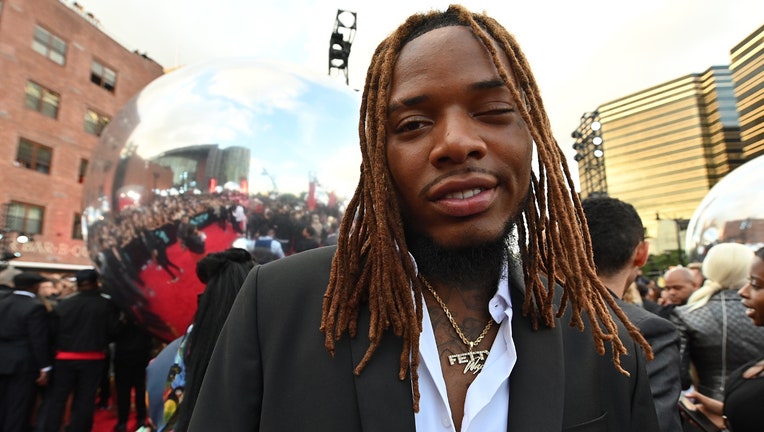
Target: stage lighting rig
x=340 y=43
x=590 y=155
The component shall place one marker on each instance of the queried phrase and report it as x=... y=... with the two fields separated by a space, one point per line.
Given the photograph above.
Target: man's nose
x=458 y=139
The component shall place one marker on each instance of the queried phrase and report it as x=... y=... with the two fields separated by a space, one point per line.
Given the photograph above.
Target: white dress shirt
x=486 y=407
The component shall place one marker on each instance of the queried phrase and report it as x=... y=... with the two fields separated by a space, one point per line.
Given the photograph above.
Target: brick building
x=63 y=79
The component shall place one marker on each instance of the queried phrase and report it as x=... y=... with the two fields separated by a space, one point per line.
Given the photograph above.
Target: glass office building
x=748 y=74
x=668 y=145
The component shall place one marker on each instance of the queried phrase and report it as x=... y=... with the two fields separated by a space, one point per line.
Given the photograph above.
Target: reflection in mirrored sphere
x=732 y=211
x=201 y=159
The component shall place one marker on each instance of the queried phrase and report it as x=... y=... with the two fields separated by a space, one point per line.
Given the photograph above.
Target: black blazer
x=663 y=370
x=270 y=370
x=24 y=343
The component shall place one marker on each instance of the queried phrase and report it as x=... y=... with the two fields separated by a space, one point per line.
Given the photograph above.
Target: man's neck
x=463 y=269
x=617 y=282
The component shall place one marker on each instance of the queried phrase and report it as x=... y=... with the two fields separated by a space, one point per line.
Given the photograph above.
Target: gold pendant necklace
x=473 y=361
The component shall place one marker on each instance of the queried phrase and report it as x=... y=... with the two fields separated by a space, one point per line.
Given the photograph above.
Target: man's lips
x=468 y=202
x=459 y=186
x=463 y=194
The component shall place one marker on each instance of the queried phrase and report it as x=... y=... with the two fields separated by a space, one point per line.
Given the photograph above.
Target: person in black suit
x=24 y=351
x=133 y=346
x=619 y=251
x=111 y=260
x=83 y=324
x=447 y=301
x=306 y=240
x=157 y=249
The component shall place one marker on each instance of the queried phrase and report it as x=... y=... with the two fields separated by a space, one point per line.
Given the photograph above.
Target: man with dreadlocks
x=434 y=306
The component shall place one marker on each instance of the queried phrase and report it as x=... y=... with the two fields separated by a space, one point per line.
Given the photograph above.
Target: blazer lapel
x=385 y=403
x=537 y=382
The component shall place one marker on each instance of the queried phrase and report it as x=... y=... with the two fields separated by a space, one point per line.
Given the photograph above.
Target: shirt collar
x=501 y=302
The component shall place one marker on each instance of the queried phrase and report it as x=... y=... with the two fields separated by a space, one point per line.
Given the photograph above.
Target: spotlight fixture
x=340 y=42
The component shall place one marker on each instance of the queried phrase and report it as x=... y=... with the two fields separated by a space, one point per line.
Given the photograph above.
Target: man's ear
x=641 y=253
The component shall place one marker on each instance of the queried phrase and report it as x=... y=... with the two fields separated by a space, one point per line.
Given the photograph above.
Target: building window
x=42 y=100
x=95 y=122
x=24 y=218
x=34 y=156
x=103 y=76
x=83 y=170
x=49 y=45
x=77 y=227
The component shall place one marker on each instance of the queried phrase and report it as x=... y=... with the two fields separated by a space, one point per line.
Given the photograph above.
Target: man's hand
x=42 y=380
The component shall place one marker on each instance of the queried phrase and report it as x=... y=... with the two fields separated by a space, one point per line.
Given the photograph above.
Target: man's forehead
x=409 y=60
x=423 y=40
x=677 y=282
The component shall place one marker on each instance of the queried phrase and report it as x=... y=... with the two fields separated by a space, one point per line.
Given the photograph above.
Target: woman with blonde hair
x=716 y=337
x=725 y=267
x=740 y=411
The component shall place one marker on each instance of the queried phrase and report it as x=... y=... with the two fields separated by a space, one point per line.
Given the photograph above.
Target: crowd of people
x=700 y=328
x=137 y=234
x=460 y=290
x=705 y=334
x=53 y=358
x=73 y=326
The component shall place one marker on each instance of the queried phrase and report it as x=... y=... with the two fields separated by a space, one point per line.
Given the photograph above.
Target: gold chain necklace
x=473 y=361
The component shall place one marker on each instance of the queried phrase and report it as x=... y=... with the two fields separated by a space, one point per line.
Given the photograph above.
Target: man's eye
x=409 y=125
x=495 y=112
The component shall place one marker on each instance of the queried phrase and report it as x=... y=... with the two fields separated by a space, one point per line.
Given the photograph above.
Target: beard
x=478 y=265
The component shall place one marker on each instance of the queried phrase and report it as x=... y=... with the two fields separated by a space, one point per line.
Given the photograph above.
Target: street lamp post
x=681 y=226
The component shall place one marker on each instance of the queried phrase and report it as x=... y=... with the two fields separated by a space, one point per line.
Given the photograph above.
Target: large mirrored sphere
x=732 y=211
x=177 y=167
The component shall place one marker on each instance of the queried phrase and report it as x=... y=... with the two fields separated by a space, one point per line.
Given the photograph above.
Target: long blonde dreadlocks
x=371 y=264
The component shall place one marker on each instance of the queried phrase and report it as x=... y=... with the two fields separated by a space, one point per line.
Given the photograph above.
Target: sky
x=278 y=126
x=583 y=53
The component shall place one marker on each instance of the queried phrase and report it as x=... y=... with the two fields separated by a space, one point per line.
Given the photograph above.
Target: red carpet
x=105 y=420
x=175 y=303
